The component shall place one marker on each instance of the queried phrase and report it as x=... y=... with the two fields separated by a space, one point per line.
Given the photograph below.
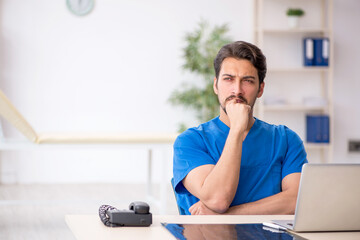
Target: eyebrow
x=244 y=77
x=227 y=75
x=247 y=77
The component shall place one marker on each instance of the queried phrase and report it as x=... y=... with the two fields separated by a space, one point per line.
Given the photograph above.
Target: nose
x=237 y=88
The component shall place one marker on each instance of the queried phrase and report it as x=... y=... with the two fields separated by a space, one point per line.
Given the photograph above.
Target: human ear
x=261 y=90
x=215 y=86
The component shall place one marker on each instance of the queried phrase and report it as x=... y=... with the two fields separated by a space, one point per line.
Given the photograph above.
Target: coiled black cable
x=105 y=218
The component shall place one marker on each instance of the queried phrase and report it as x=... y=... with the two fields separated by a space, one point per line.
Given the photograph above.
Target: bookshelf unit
x=293 y=90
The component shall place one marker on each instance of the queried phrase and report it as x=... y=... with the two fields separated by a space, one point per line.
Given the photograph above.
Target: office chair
x=180 y=209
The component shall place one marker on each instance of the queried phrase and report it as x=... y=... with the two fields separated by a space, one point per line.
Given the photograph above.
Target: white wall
x=112 y=70
x=346 y=78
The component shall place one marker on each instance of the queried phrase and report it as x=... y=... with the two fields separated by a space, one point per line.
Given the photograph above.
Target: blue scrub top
x=269 y=153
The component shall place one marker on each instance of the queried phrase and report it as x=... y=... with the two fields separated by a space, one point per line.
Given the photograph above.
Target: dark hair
x=242 y=50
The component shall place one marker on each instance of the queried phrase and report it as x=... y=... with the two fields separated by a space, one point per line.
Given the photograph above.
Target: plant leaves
x=202 y=46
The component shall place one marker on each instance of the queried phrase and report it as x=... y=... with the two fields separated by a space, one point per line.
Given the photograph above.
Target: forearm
x=281 y=204
x=220 y=185
x=216 y=185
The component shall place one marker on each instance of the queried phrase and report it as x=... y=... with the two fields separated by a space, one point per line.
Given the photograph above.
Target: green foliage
x=295 y=12
x=201 y=48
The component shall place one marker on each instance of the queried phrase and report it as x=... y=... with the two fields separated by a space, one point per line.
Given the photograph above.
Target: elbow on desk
x=292 y=206
x=219 y=205
x=289 y=208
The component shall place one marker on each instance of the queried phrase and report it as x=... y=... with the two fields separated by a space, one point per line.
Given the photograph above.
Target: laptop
x=328 y=199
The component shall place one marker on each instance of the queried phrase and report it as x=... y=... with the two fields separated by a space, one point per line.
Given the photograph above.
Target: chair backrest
x=181 y=210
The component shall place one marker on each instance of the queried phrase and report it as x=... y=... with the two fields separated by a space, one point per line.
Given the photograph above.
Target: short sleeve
x=295 y=156
x=189 y=152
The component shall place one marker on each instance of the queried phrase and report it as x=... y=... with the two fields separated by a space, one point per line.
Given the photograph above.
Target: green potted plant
x=199 y=52
x=293 y=15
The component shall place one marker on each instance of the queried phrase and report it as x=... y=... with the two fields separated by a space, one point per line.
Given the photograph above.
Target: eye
x=249 y=80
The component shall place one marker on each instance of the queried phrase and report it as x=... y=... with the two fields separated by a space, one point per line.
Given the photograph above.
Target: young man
x=235 y=163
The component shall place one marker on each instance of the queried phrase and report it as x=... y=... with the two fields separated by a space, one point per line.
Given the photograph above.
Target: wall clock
x=80 y=7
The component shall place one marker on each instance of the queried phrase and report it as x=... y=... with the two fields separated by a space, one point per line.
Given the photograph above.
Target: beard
x=239 y=99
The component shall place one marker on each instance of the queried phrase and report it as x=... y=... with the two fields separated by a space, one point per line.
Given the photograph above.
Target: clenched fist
x=238 y=112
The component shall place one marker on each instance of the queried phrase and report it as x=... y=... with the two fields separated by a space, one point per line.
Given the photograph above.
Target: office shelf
x=298 y=69
x=294 y=107
x=287 y=78
x=290 y=31
x=316 y=146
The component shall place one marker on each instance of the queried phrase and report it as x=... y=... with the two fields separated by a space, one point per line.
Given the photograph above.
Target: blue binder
x=325 y=131
x=317 y=129
x=321 y=51
x=313 y=129
x=308 y=50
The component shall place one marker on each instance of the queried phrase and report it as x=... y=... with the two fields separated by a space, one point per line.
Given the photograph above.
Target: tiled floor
x=37 y=211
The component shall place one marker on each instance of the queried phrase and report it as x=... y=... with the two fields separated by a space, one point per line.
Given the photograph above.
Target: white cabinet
x=292 y=91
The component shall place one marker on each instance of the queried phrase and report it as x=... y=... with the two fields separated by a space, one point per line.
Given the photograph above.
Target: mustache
x=241 y=98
